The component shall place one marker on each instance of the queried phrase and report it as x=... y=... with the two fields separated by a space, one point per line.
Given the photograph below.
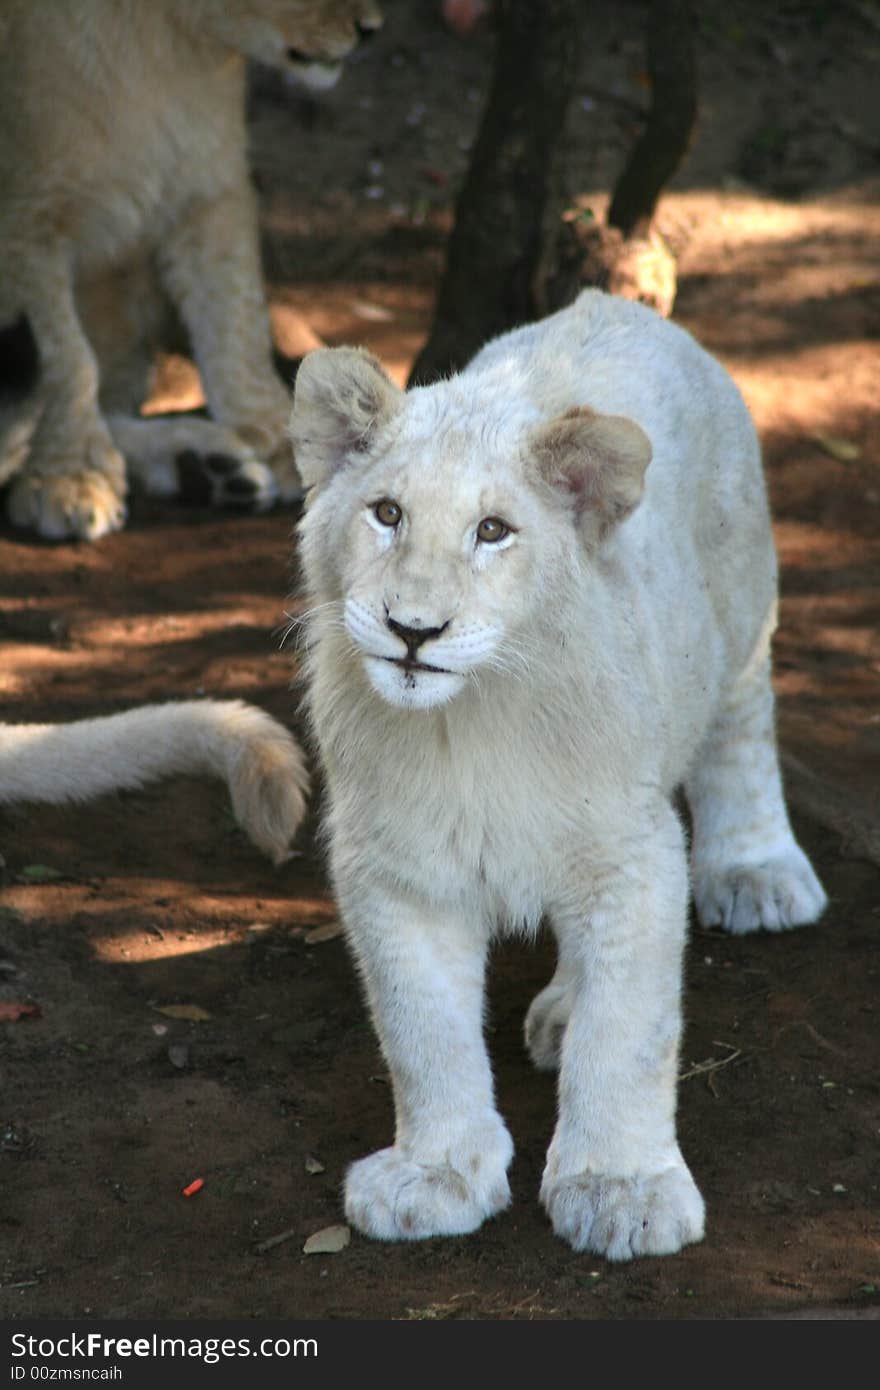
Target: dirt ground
x=110 y=1107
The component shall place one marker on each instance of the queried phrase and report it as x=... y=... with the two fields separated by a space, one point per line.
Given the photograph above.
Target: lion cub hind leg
x=197 y=460
x=615 y=1181
x=748 y=870
x=446 y=1172
x=548 y=1017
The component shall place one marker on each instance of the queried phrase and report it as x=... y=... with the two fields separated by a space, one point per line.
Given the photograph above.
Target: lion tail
x=261 y=762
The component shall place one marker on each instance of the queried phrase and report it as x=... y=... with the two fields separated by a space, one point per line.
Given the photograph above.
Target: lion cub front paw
x=82 y=505
x=651 y=1214
x=391 y=1197
x=781 y=893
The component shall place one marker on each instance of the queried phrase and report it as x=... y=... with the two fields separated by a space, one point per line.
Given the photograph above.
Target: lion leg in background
x=70 y=478
x=262 y=764
x=615 y=1180
x=748 y=870
x=423 y=968
x=129 y=319
x=210 y=266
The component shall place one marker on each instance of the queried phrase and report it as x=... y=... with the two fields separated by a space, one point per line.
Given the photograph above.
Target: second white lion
x=128 y=222
x=542 y=598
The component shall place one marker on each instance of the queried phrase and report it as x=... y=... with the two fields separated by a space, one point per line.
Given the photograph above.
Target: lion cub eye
x=387 y=512
x=491 y=530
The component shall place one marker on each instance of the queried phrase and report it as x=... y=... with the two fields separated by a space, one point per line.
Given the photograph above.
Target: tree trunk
x=672 y=68
x=497 y=243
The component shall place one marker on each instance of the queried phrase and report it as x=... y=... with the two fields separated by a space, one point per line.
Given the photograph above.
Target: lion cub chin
x=541 y=598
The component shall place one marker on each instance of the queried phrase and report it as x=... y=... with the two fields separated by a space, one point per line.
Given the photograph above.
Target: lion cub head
x=308 y=38
x=448 y=524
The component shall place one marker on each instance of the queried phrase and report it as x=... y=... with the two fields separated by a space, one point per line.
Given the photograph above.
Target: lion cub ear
x=600 y=461
x=341 y=397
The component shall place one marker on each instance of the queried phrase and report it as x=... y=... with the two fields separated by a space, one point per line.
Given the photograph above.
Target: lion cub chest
x=473 y=810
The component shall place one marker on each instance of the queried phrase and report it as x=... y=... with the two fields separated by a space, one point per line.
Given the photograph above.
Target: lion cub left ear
x=341 y=398
x=600 y=462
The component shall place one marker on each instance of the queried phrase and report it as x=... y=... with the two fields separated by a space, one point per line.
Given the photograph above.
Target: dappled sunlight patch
x=134 y=630
x=391 y=320
x=801 y=390
x=852 y=639
x=30 y=663
x=802 y=542
x=286 y=922
x=747 y=220
x=138 y=945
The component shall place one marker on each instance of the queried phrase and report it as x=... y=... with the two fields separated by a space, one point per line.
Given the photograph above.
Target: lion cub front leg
x=615 y=1180
x=446 y=1172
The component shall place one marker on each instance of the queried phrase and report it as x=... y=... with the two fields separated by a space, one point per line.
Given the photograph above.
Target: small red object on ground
x=195 y=1186
x=14 y=1012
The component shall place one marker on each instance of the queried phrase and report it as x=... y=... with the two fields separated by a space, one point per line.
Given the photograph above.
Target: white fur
x=127 y=214
x=260 y=761
x=612 y=647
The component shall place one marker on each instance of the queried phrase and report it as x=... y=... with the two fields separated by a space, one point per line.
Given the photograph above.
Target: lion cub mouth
x=407 y=664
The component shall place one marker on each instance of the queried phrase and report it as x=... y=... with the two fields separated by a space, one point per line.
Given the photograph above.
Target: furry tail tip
x=269 y=784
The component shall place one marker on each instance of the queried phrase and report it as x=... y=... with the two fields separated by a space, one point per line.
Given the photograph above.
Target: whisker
x=299 y=623
x=509 y=660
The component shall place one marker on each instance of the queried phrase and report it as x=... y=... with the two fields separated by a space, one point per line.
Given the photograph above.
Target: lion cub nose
x=414 y=635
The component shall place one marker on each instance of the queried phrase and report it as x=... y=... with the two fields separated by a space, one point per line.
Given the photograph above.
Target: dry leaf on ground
x=194 y=1012
x=841 y=449
x=40 y=873
x=327 y=932
x=328 y=1241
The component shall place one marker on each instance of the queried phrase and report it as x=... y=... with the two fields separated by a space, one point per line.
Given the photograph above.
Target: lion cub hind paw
x=782 y=893
x=80 y=506
x=545 y=1026
x=391 y=1197
x=225 y=480
x=654 y=1214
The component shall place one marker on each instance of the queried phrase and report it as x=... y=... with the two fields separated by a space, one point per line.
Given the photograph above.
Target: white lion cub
x=522 y=640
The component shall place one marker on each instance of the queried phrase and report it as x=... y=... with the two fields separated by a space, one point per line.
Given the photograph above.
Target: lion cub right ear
x=341 y=397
